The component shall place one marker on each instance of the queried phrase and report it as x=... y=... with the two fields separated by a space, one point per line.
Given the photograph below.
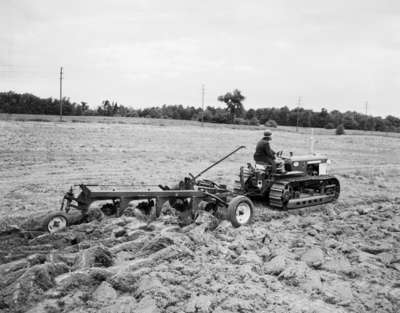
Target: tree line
x=234 y=112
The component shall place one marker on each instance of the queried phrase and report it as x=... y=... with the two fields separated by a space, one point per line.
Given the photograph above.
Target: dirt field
x=343 y=257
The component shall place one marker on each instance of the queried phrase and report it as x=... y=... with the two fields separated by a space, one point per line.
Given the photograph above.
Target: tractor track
x=279 y=187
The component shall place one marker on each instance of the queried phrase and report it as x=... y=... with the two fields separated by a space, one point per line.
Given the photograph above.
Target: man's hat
x=267 y=133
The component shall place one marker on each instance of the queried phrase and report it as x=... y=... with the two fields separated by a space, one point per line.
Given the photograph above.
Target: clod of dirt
x=94 y=214
x=94 y=257
x=337 y=292
x=119 y=232
x=104 y=293
x=155 y=245
x=125 y=280
x=276 y=266
x=249 y=257
x=298 y=274
x=376 y=249
x=313 y=257
x=151 y=286
x=123 y=304
x=339 y=265
x=36 y=258
x=73 y=280
x=99 y=273
x=28 y=285
x=208 y=219
x=201 y=304
x=147 y=305
x=10 y=230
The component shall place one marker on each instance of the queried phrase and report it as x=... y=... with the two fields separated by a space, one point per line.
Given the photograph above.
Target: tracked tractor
x=299 y=181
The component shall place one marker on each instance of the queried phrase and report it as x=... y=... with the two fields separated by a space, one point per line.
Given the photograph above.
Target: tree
x=233 y=101
x=320 y=119
x=380 y=124
x=25 y=103
x=271 y=123
x=340 y=130
x=114 y=108
x=394 y=122
x=251 y=114
x=84 y=107
x=330 y=125
x=336 y=117
x=349 y=120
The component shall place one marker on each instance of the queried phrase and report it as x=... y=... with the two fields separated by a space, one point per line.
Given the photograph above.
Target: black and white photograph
x=187 y=156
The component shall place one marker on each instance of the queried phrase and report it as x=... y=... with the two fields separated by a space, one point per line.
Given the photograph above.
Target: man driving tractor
x=264 y=155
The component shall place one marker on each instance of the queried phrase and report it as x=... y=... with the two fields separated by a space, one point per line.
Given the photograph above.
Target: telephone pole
x=297 y=115
x=366 y=107
x=202 y=105
x=61 y=77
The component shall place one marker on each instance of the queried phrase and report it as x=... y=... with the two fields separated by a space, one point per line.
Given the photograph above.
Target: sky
x=333 y=54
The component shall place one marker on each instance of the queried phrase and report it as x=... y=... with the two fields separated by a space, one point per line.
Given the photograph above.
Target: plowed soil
x=341 y=257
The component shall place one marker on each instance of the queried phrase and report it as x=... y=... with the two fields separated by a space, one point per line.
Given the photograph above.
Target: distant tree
x=380 y=124
x=283 y=116
x=233 y=101
x=106 y=108
x=241 y=121
x=336 y=117
x=84 y=106
x=320 y=119
x=349 y=121
x=254 y=121
x=393 y=122
x=330 y=125
x=340 y=130
x=25 y=103
x=371 y=123
x=271 y=123
x=250 y=114
x=263 y=114
x=114 y=108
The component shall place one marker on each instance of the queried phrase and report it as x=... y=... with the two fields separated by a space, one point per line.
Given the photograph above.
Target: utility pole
x=61 y=77
x=366 y=107
x=202 y=105
x=297 y=117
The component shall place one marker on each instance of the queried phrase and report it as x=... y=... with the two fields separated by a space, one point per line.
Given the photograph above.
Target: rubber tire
x=232 y=206
x=46 y=221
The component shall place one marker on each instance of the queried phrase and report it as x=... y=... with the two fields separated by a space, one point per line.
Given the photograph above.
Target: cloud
x=332 y=54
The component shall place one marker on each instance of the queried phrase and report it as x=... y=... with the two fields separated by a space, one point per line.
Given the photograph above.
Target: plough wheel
x=240 y=211
x=55 y=222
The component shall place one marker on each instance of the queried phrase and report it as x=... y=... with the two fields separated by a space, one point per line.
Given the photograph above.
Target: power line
x=61 y=78
x=202 y=105
x=297 y=115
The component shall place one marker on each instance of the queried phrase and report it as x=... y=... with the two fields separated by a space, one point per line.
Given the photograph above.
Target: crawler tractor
x=299 y=181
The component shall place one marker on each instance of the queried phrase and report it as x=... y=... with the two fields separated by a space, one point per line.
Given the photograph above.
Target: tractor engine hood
x=310 y=157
